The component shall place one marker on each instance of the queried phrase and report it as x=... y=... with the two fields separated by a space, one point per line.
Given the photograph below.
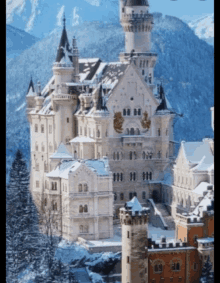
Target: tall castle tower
x=137 y=23
x=134 y=219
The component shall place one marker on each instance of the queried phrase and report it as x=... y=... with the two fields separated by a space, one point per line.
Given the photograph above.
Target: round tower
x=134 y=220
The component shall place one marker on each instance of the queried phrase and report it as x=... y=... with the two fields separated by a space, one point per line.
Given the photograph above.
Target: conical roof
x=61 y=153
x=31 y=86
x=163 y=104
x=64 y=44
x=100 y=105
x=136 y=3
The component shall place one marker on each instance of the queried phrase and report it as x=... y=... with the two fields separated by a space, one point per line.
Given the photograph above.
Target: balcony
x=132 y=139
x=67 y=97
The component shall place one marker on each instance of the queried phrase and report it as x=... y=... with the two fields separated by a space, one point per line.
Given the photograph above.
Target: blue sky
x=184 y=9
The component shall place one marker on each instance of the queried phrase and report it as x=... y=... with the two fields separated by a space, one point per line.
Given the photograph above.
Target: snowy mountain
x=39 y=17
x=184 y=61
x=204 y=28
x=17 y=41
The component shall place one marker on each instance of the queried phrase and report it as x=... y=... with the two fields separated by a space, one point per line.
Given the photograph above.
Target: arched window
x=67 y=120
x=80 y=229
x=75 y=154
x=54 y=206
x=143 y=72
x=85 y=188
x=139 y=112
x=137 y=132
x=146 y=175
x=80 y=188
x=98 y=134
x=135 y=112
x=36 y=146
x=124 y=112
x=132 y=131
x=149 y=79
x=85 y=208
x=80 y=209
x=86 y=229
x=114 y=155
x=128 y=112
x=134 y=176
x=117 y=155
x=135 y=155
x=130 y=155
x=114 y=177
x=150 y=176
x=158 y=132
x=115 y=196
x=143 y=195
x=118 y=176
x=121 y=196
x=130 y=195
x=36 y=128
x=143 y=155
x=121 y=176
x=42 y=128
x=131 y=176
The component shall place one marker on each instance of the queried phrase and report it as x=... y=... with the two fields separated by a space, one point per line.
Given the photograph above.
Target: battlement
x=185 y=217
x=165 y=245
x=138 y=17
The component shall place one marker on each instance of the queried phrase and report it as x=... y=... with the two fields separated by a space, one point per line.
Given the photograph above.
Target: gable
x=181 y=160
x=132 y=92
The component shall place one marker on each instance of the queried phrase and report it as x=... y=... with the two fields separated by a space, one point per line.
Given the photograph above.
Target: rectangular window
x=127 y=234
x=68 y=120
x=127 y=259
x=42 y=128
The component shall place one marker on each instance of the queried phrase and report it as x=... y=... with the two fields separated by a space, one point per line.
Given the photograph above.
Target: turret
x=134 y=219
x=30 y=97
x=39 y=98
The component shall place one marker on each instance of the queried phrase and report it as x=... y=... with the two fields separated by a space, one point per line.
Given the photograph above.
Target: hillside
x=185 y=62
x=17 y=41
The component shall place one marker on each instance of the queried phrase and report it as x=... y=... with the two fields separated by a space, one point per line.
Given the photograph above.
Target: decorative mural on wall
x=118 y=122
x=145 y=122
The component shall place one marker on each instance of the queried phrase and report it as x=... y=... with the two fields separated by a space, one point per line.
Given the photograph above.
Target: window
x=143 y=155
x=175 y=266
x=80 y=188
x=54 y=206
x=143 y=175
x=124 y=112
x=137 y=132
x=128 y=112
x=134 y=176
x=85 y=208
x=85 y=132
x=166 y=132
x=130 y=195
x=130 y=176
x=195 y=266
x=42 y=128
x=37 y=166
x=98 y=134
x=130 y=155
x=171 y=279
x=85 y=188
x=50 y=129
x=54 y=186
x=121 y=176
x=143 y=72
x=36 y=128
x=80 y=209
x=195 y=238
x=140 y=64
x=123 y=9
x=135 y=112
x=150 y=176
x=143 y=195
x=158 y=132
x=114 y=156
x=127 y=234
x=114 y=177
x=118 y=176
x=42 y=148
x=37 y=184
x=50 y=147
x=67 y=120
x=45 y=166
x=121 y=196
x=46 y=184
x=132 y=131
x=36 y=146
x=158 y=268
x=67 y=140
x=80 y=229
x=115 y=196
x=45 y=202
x=117 y=155
x=149 y=79
x=139 y=112
x=127 y=259
x=159 y=154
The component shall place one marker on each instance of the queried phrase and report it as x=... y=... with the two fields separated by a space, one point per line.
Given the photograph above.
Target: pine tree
x=207 y=274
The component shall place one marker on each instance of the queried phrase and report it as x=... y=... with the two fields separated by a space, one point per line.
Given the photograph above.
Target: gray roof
x=136 y=3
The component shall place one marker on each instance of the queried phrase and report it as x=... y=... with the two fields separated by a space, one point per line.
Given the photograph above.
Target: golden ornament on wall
x=118 y=122
x=145 y=122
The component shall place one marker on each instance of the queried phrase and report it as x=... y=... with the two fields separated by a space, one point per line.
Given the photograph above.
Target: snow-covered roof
x=88 y=68
x=206 y=204
x=202 y=187
x=82 y=139
x=62 y=170
x=31 y=92
x=61 y=153
x=47 y=86
x=98 y=165
x=195 y=152
x=134 y=206
x=206 y=240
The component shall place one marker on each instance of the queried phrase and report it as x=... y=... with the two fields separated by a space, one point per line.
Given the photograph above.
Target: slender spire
x=163 y=104
x=64 y=21
x=31 y=85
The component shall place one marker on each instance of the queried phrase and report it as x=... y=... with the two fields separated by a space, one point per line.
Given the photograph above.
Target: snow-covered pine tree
x=207 y=274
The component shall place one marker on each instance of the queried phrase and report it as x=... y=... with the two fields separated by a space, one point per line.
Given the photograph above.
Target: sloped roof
x=134 y=205
x=206 y=204
x=202 y=187
x=100 y=104
x=31 y=87
x=61 y=153
x=99 y=165
x=62 y=170
x=88 y=68
x=82 y=139
x=136 y=3
x=64 y=44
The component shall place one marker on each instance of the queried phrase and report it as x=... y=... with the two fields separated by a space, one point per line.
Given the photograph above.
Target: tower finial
x=64 y=20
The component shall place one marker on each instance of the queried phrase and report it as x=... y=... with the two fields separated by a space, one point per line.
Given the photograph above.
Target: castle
x=102 y=134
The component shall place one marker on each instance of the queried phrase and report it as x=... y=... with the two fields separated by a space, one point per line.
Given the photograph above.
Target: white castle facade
x=101 y=133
